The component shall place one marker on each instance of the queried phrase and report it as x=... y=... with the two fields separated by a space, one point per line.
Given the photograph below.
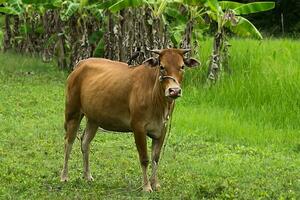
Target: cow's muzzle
x=174 y=92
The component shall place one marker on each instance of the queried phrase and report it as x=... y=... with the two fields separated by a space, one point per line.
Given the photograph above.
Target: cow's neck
x=162 y=105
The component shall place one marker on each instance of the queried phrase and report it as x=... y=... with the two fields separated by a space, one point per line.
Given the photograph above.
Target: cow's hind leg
x=71 y=125
x=87 y=137
x=141 y=144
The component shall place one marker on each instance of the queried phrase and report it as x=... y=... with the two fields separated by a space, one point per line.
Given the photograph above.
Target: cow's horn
x=184 y=51
x=156 y=51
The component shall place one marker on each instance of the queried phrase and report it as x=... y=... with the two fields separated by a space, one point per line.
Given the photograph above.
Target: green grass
x=259 y=103
x=237 y=140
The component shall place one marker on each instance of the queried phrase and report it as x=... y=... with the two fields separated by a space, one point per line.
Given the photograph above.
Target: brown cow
x=119 y=98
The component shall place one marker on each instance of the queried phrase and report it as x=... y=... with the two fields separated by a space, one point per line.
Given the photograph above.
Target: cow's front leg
x=156 y=149
x=141 y=144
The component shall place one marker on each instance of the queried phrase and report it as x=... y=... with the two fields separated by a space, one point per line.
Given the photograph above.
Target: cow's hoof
x=156 y=186
x=64 y=176
x=64 y=179
x=147 y=188
x=88 y=177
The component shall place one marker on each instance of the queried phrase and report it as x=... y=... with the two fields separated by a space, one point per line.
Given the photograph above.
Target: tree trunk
x=60 y=50
x=215 y=64
x=225 y=55
x=16 y=33
x=140 y=31
x=187 y=38
x=48 y=22
x=7 y=34
x=109 y=38
x=122 y=36
x=148 y=21
x=134 y=29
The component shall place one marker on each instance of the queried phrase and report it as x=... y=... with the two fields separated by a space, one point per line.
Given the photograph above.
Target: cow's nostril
x=171 y=91
x=175 y=92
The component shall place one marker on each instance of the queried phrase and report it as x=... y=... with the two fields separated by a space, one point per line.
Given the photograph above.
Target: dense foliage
x=75 y=29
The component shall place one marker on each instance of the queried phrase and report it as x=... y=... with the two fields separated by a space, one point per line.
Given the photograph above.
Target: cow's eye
x=182 y=67
x=161 y=68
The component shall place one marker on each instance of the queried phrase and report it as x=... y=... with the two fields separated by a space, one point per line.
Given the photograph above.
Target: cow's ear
x=191 y=62
x=151 y=62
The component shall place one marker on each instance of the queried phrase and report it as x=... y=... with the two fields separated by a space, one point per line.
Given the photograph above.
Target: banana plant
x=99 y=25
x=229 y=14
x=151 y=22
x=53 y=28
x=186 y=24
x=10 y=8
x=82 y=30
x=232 y=12
x=180 y=20
x=116 y=6
x=226 y=14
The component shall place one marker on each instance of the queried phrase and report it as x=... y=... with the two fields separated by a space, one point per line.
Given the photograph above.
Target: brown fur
x=116 y=97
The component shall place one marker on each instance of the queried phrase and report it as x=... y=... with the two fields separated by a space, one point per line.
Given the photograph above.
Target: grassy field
x=237 y=140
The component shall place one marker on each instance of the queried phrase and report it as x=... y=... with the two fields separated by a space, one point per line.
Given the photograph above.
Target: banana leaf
x=193 y=2
x=214 y=6
x=229 y=5
x=8 y=10
x=71 y=10
x=126 y=4
x=244 y=28
x=254 y=7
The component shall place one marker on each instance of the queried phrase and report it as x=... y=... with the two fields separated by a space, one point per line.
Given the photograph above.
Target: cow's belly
x=114 y=124
x=109 y=119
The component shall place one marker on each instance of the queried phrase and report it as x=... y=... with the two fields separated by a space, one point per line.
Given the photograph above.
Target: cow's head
x=171 y=64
